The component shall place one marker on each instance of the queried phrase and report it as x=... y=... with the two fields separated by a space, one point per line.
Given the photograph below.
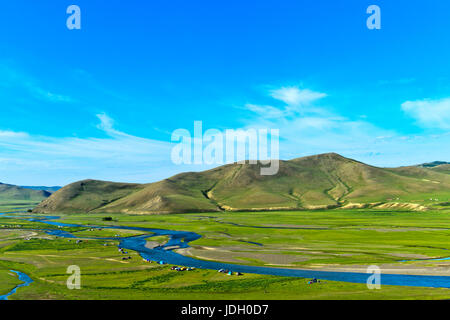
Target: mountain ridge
x=315 y=182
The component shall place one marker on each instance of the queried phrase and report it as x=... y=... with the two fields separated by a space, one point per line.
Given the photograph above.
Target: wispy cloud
x=296 y=101
x=266 y=111
x=49 y=159
x=107 y=125
x=42 y=94
x=12 y=78
x=429 y=113
x=294 y=96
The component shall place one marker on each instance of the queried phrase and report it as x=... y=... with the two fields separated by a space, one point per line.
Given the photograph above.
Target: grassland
x=326 y=240
x=311 y=239
x=10 y=205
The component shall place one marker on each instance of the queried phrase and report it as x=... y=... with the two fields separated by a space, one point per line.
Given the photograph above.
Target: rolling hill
x=314 y=182
x=10 y=193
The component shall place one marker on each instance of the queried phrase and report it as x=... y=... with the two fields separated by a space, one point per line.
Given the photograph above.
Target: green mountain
x=12 y=193
x=86 y=196
x=315 y=182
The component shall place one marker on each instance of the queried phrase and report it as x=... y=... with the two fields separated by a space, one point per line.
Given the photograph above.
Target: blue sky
x=102 y=102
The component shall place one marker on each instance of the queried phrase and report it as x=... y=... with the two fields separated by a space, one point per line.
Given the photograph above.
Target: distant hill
x=11 y=193
x=321 y=181
x=86 y=196
x=437 y=166
x=434 y=164
x=48 y=189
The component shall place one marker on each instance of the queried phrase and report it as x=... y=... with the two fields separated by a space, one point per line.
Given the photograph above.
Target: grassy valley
x=319 y=240
x=324 y=212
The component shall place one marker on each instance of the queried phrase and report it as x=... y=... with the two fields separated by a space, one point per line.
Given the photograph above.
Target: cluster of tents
x=313 y=281
x=124 y=252
x=182 y=268
x=176 y=268
x=230 y=273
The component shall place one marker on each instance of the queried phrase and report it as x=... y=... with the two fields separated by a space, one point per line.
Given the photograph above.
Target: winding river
x=181 y=239
x=22 y=277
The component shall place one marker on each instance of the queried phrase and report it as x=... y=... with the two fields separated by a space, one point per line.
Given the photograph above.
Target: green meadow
x=8 y=205
x=328 y=240
x=306 y=238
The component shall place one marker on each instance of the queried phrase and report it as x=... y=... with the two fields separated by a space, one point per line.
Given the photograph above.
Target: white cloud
x=318 y=130
x=294 y=96
x=266 y=111
x=297 y=101
x=50 y=160
x=429 y=113
x=12 y=134
x=107 y=125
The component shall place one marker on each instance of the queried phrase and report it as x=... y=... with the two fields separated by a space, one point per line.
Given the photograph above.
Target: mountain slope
x=321 y=181
x=10 y=192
